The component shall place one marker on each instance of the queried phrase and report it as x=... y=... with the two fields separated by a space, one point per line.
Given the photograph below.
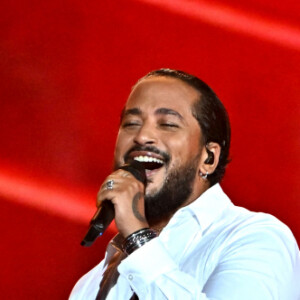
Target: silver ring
x=109 y=184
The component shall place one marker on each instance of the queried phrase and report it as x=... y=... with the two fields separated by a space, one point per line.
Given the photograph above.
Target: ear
x=209 y=158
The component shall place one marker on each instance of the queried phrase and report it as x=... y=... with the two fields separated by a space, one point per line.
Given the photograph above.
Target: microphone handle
x=106 y=212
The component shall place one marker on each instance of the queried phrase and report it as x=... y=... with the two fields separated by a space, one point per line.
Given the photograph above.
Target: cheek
x=121 y=146
x=184 y=148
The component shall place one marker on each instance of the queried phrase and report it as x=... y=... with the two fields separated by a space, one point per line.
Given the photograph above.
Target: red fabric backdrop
x=66 y=68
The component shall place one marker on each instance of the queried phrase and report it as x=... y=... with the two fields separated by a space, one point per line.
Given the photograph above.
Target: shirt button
x=130 y=277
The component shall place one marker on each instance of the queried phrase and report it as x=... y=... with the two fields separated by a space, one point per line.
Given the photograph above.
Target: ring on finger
x=109 y=184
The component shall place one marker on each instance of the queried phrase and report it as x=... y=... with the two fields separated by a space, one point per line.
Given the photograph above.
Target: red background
x=66 y=68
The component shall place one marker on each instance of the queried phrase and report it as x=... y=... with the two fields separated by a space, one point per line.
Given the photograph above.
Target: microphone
x=106 y=212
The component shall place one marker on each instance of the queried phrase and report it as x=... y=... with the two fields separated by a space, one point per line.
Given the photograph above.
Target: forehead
x=154 y=92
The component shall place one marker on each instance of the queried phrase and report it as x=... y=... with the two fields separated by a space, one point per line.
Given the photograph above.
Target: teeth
x=148 y=159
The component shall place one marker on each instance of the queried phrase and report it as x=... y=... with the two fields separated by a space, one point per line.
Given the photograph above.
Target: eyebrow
x=159 y=111
x=168 y=111
x=131 y=111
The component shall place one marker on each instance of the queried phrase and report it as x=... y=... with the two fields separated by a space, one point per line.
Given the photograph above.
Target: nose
x=146 y=135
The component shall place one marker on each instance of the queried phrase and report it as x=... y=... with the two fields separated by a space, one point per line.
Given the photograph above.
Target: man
x=181 y=237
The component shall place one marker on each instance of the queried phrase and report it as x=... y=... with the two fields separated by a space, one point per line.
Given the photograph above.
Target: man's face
x=158 y=129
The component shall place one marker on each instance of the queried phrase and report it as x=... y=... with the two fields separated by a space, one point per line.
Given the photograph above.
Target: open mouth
x=150 y=157
x=149 y=163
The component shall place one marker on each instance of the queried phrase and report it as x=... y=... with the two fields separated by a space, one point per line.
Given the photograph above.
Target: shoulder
x=262 y=227
x=262 y=239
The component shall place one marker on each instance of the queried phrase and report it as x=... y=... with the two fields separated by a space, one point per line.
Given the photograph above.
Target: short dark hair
x=210 y=114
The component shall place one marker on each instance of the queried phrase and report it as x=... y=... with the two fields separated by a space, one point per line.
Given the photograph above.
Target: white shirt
x=210 y=249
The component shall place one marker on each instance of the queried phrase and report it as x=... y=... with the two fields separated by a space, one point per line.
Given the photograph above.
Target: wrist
x=132 y=228
x=137 y=239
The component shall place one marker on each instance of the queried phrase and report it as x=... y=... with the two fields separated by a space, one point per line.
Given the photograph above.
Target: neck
x=198 y=190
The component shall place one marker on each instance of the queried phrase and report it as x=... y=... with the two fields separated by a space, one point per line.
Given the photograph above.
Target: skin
x=158 y=113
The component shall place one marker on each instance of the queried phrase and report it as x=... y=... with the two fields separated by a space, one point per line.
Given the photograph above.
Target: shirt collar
x=208 y=206
x=205 y=209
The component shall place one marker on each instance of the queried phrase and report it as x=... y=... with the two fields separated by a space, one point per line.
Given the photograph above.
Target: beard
x=176 y=189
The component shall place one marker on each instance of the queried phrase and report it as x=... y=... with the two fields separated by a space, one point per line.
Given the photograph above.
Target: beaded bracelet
x=138 y=239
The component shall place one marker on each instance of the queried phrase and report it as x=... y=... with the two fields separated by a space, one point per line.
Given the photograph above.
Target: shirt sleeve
x=261 y=264
x=152 y=274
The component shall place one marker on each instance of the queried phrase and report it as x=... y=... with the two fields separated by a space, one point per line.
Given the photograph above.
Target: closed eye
x=130 y=124
x=171 y=125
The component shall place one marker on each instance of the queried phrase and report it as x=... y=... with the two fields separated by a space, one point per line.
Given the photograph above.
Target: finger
x=111 y=186
x=118 y=182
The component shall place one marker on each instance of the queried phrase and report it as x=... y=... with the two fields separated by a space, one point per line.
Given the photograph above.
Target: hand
x=127 y=196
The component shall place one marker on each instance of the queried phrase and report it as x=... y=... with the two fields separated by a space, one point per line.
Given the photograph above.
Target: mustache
x=166 y=157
